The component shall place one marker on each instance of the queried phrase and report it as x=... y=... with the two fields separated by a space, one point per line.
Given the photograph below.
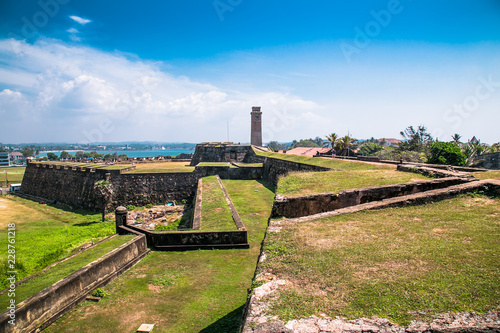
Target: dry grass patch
x=391 y=263
x=159 y=167
x=487 y=175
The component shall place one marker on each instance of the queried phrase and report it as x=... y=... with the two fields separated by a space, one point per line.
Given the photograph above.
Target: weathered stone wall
x=46 y=306
x=181 y=241
x=274 y=168
x=220 y=152
x=319 y=203
x=490 y=161
x=142 y=188
x=68 y=185
x=225 y=172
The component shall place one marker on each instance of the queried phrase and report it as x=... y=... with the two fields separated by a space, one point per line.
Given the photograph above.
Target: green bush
x=446 y=153
x=369 y=149
x=130 y=207
x=99 y=292
x=149 y=205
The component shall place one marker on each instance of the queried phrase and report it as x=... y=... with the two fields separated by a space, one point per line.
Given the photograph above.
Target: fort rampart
x=75 y=185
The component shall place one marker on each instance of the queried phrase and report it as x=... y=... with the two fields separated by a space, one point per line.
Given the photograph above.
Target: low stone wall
x=236 y=217
x=197 y=206
x=45 y=307
x=433 y=172
x=313 y=204
x=275 y=168
x=182 y=241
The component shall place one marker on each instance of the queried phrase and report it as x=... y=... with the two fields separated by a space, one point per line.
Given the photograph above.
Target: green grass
x=391 y=263
x=14 y=175
x=487 y=175
x=306 y=183
x=62 y=270
x=335 y=164
x=45 y=233
x=215 y=212
x=194 y=291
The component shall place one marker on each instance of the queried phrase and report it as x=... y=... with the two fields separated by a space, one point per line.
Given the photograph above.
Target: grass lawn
x=13 y=175
x=215 y=212
x=159 y=167
x=194 y=291
x=391 y=263
x=305 y=183
x=487 y=175
x=45 y=233
x=337 y=164
x=63 y=269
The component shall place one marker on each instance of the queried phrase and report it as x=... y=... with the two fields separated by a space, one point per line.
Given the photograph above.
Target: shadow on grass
x=267 y=185
x=229 y=323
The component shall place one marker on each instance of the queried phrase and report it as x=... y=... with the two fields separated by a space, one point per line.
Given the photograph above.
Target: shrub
x=130 y=207
x=446 y=153
x=99 y=292
x=369 y=148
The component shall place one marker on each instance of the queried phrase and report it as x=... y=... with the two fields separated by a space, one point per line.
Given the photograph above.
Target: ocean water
x=131 y=153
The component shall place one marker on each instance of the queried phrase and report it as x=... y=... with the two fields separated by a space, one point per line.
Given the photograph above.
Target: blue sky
x=182 y=70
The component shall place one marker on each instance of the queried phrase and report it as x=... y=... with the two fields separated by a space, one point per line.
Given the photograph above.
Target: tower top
x=256 y=109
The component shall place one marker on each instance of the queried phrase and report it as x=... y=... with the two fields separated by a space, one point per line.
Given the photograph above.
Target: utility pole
x=228 y=131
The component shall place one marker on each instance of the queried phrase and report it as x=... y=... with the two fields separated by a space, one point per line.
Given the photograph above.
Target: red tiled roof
x=309 y=151
x=391 y=140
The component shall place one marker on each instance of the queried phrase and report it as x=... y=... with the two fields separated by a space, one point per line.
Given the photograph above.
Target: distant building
x=16 y=156
x=4 y=159
x=389 y=142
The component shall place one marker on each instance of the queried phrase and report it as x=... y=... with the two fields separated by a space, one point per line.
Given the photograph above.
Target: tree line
x=416 y=145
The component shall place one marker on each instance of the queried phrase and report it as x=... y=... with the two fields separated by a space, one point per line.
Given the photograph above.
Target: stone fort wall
x=74 y=185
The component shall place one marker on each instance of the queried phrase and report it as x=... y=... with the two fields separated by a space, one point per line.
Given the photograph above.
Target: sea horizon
x=129 y=153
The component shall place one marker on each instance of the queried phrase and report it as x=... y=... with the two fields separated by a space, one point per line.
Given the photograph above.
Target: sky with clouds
x=186 y=70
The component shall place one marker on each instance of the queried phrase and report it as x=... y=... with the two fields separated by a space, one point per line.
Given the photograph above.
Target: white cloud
x=75 y=91
x=80 y=20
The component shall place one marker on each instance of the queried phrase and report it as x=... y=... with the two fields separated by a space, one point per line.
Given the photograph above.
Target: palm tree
x=345 y=143
x=104 y=190
x=332 y=140
x=456 y=138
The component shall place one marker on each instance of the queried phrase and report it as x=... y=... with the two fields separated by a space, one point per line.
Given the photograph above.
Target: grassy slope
x=487 y=175
x=198 y=291
x=434 y=258
x=215 y=212
x=62 y=270
x=349 y=174
x=45 y=234
x=305 y=183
